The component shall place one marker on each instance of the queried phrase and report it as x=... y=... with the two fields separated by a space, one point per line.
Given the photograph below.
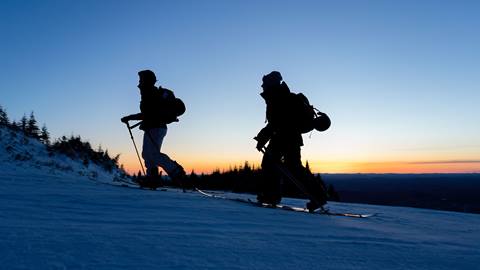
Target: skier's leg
x=171 y=167
x=294 y=163
x=151 y=179
x=148 y=154
x=269 y=188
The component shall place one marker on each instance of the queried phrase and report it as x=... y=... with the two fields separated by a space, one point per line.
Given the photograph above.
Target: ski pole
x=136 y=125
x=292 y=179
x=134 y=145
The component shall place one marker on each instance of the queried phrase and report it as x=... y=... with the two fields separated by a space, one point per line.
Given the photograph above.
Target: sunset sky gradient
x=399 y=79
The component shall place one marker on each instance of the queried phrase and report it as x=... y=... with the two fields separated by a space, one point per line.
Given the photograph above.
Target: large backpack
x=170 y=106
x=308 y=117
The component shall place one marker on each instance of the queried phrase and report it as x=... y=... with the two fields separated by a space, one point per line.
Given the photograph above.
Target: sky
x=400 y=80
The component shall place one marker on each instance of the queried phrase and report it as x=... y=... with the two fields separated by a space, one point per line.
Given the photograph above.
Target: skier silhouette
x=155 y=114
x=284 y=139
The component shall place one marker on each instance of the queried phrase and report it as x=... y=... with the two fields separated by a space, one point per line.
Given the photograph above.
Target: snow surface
x=56 y=219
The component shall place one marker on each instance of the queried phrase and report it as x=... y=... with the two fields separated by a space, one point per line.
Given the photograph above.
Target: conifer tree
x=193 y=178
x=45 y=135
x=246 y=167
x=116 y=159
x=3 y=117
x=14 y=125
x=333 y=194
x=32 y=129
x=23 y=124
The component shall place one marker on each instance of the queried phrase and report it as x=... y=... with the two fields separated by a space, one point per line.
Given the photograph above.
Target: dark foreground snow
x=56 y=222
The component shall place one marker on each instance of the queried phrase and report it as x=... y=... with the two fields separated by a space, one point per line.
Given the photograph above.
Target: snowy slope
x=50 y=220
x=22 y=154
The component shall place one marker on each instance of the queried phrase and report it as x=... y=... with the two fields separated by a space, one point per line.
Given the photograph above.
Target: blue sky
x=400 y=80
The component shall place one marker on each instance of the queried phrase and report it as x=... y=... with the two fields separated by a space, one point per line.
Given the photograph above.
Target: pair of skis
x=128 y=184
x=282 y=206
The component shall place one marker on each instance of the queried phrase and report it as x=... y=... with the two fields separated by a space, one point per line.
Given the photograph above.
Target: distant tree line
x=245 y=179
x=72 y=147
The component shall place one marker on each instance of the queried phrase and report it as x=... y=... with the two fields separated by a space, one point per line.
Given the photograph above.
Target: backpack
x=308 y=117
x=170 y=106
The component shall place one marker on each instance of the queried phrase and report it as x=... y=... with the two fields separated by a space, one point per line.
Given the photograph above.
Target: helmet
x=179 y=107
x=147 y=76
x=322 y=122
x=272 y=78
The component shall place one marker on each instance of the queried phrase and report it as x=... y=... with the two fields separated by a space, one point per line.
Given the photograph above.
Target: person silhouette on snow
x=154 y=116
x=284 y=140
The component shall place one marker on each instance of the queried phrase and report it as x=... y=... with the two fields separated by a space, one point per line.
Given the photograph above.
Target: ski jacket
x=281 y=123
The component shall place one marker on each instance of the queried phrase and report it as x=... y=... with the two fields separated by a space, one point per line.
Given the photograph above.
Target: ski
x=283 y=206
x=125 y=183
x=120 y=182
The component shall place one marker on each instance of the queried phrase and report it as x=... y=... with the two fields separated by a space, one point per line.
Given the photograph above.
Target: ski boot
x=314 y=206
x=271 y=200
x=179 y=178
x=152 y=180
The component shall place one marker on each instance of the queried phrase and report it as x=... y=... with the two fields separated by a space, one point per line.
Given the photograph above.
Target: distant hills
x=452 y=192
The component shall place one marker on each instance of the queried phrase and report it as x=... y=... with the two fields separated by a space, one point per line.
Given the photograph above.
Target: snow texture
x=54 y=218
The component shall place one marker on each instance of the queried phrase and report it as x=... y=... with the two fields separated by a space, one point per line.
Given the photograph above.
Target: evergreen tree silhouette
x=23 y=124
x=3 y=117
x=15 y=126
x=32 y=129
x=194 y=178
x=45 y=135
x=333 y=194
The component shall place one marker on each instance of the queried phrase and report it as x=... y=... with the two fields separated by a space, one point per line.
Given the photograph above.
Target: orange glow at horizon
x=132 y=165
x=396 y=167
x=208 y=166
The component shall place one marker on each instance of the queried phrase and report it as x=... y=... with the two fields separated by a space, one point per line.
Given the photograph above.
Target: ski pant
x=287 y=156
x=152 y=155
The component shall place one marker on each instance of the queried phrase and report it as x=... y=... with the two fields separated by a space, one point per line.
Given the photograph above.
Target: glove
x=260 y=145
x=125 y=119
x=263 y=137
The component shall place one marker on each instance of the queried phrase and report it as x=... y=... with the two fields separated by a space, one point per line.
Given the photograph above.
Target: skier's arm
x=264 y=136
x=137 y=116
